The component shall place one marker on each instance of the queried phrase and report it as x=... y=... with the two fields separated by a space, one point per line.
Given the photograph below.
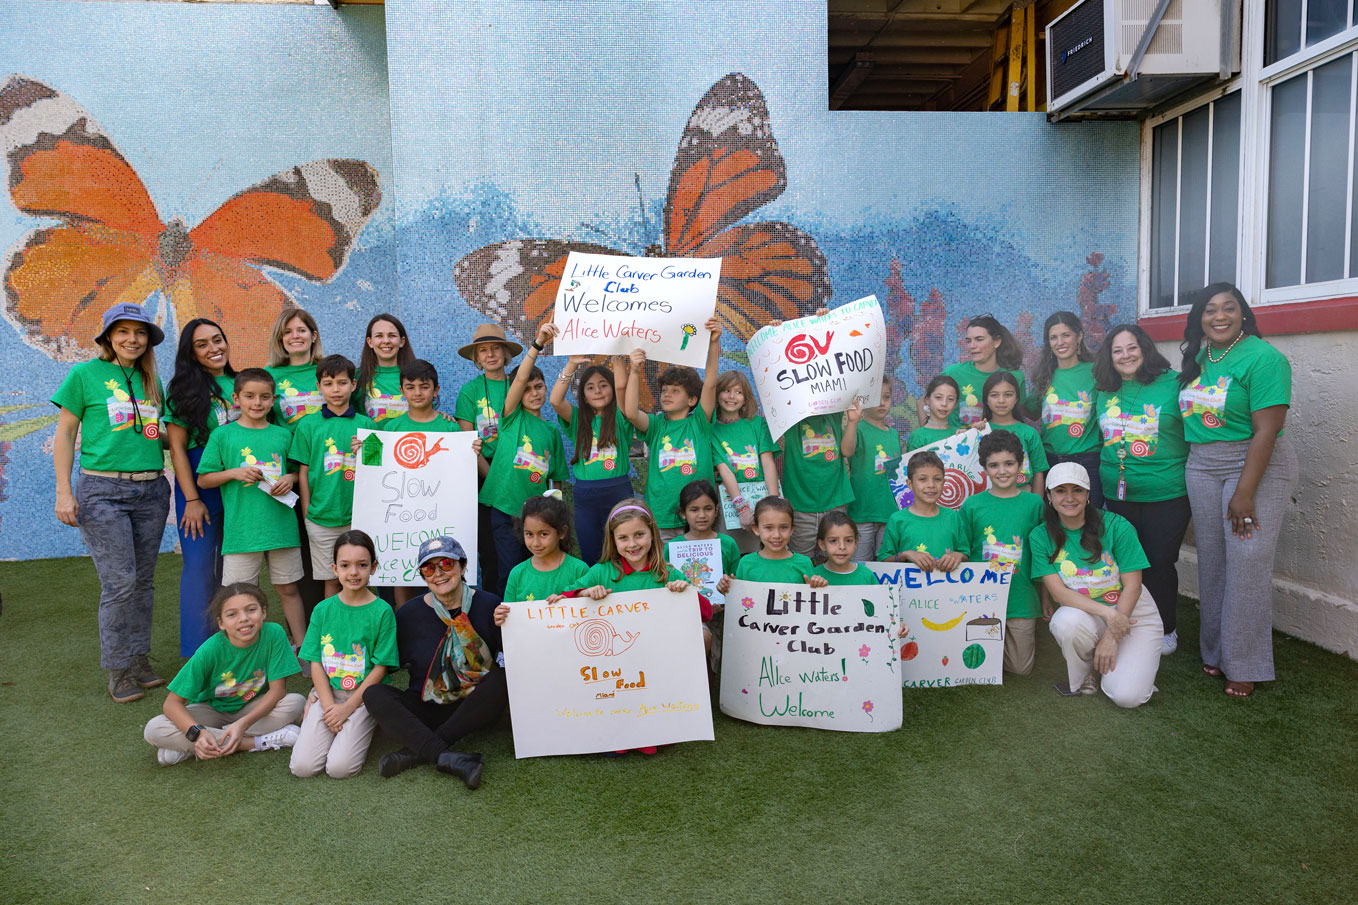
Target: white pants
x=1132 y=680
x=163 y=733
x=339 y=754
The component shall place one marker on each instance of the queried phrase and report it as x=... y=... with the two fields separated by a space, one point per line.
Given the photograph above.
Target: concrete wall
x=1315 y=579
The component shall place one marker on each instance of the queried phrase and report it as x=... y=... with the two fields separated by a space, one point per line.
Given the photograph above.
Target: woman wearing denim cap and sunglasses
x=121 y=498
x=448 y=641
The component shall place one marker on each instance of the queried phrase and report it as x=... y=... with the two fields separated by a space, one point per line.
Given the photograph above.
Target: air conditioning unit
x=1092 y=63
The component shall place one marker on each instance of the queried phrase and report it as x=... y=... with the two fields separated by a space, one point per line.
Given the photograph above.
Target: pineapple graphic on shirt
x=971 y=406
x=1001 y=556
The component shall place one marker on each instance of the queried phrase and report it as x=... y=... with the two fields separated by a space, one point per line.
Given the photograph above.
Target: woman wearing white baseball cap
x=1090 y=562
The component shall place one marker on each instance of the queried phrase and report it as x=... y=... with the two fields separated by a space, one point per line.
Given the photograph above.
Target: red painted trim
x=1324 y=316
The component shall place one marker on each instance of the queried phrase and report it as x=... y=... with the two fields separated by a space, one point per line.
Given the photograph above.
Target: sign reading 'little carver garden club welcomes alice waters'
x=610 y=305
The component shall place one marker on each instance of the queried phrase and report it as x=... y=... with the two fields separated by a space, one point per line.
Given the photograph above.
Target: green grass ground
x=1008 y=794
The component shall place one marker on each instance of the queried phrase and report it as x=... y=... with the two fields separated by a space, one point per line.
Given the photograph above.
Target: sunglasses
x=445 y=564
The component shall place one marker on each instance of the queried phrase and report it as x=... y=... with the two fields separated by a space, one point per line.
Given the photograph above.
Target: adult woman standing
x=200 y=400
x=448 y=642
x=991 y=348
x=1090 y=563
x=1063 y=398
x=386 y=349
x=122 y=498
x=1143 y=457
x=1234 y=392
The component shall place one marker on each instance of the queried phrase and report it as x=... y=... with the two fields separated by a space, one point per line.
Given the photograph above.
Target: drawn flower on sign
x=863 y=652
x=867 y=708
x=747 y=602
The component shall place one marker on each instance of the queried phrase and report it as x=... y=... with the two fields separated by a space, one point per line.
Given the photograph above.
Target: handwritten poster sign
x=793 y=655
x=700 y=563
x=409 y=487
x=624 y=672
x=954 y=623
x=610 y=305
x=963 y=474
x=752 y=491
x=819 y=365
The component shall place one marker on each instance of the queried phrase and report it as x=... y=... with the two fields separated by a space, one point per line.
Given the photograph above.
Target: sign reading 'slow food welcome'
x=610 y=305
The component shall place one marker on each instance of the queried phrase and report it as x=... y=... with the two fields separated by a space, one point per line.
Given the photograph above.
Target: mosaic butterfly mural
x=111 y=244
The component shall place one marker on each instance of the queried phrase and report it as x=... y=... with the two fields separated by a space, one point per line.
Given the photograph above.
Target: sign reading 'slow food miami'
x=610 y=305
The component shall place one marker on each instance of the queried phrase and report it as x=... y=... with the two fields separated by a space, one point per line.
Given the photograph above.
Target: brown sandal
x=1213 y=671
x=1239 y=689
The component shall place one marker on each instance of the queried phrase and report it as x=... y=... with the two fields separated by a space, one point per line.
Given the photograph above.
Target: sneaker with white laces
x=168 y=757
x=1089 y=686
x=1170 y=644
x=282 y=738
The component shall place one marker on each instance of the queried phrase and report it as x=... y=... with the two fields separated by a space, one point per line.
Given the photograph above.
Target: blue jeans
x=593 y=501
x=122 y=523
x=509 y=548
x=202 y=572
x=1090 y=460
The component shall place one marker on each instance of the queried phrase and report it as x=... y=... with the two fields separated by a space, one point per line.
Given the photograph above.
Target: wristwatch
x=193 y=732
x=537 y=346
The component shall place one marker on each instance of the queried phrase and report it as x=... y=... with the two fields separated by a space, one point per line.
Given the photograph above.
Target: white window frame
x=1254 y=82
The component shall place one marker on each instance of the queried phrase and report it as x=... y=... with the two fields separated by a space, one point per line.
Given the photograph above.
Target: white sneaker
x=168 y=757
x=1089 y=686
x=283 y=738
x=1170 y=644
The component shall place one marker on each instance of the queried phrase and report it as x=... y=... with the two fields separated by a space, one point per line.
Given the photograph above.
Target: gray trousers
x=1235 y=575
x=122 y=523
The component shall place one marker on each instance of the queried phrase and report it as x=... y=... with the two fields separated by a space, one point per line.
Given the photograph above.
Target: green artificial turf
x=987 y=795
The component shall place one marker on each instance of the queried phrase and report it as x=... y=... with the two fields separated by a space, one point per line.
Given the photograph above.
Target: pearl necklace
x=1239 y=336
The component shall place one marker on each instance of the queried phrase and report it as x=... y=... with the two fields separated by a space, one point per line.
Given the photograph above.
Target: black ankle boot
x=397 y=762
x=466 y=767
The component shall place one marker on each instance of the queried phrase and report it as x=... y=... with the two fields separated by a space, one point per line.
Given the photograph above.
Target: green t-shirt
x=1218 y=404
x=678 y=452
x=793 y=570
x=528 y=583
x=597 y=464
x=861 y=574
x=441 y=424
x=997 y=529
x=611 y=577
x=871 y=469
x=348 y=641
x=1068 y=411
x=255 y=521
x=814 y=477
x=972 y=380
x=295 y=394
x=226 y=677
x=1142 y=422
x=936 y=535
x=1034 y=455
x=744 y=441
x=730 y=551
x=323 y=445
x=921 y=437
x=1097 y=577
x=384 y=401
x=538 y=458
x=480 y=402
x=119 y=431
x=223 y=412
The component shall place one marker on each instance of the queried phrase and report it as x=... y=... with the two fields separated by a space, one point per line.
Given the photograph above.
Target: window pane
x=1325 y=18
x=1193 y=202
x=1283 y=30
x=1225 y=189
x=1286 y=146
x=1330 y=91
x=1164 y=175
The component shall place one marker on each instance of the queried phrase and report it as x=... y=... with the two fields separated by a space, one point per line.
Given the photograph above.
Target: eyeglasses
x=987 y=314
x=444 y=563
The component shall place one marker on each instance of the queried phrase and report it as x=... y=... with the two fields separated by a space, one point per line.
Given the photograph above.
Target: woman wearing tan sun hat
x=480 y=403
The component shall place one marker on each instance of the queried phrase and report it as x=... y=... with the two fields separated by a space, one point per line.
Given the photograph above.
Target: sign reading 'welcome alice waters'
x=610 y=305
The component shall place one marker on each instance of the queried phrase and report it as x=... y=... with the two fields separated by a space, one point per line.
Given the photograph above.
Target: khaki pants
x=1020 y=645
x=870 y=535
x=805 y=525
x=161 y=732
x=339 y=754
x=1132 y=680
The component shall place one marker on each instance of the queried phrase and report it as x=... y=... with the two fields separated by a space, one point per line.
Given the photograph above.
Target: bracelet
x=536 y=346
x=194 y=500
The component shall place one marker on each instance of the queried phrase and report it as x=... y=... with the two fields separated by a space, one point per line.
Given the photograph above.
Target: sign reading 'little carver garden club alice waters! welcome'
x=610 y=305
x=819 y=365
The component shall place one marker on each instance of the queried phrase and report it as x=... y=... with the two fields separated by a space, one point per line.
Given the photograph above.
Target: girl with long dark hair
x=1063 y=398
x=1234 y=392
x=386 y=349
x=199 y=402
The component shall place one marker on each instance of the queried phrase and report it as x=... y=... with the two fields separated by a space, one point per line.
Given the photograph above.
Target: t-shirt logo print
x=525 y=459
x=1001 y=556
x=747 y=462
x=230 y=687
x=487 y=421
x=124 y=411
x=1104 y=580
x=348 y=668
x=297 y=404
x=1207 y=400
x=685 y=457
x=1068 y=413
x=1139 y=431
x=814 y=444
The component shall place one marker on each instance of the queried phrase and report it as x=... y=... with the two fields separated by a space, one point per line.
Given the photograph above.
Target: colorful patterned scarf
x=462 y=659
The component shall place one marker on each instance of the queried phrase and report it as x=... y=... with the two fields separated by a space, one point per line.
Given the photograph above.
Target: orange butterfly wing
x=237 y=296
x=769 y=271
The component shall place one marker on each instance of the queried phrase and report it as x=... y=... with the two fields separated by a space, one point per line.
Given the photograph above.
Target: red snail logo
x=803 y=347
x=598 y=638
x=1140 y=449
x=152 y=431
x=413 y=450
x=1076 y=430
x=348 y=683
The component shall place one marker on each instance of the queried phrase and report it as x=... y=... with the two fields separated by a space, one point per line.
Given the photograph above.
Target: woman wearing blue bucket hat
x=121 y=498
